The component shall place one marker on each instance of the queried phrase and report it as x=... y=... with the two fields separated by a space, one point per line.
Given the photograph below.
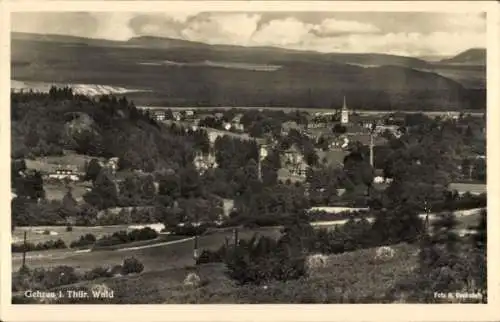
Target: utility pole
x=371 y=149
x=24 y=249
x=235 y=232
x=427 y=212
x=195 y=249
x=259 y=162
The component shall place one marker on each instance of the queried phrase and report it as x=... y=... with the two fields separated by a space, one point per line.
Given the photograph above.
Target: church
x=344 y=114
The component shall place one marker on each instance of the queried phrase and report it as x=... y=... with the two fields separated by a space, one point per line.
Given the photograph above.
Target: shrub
x=142 y=234
x=69 y=228
x=98 y=272
x=46 y=232
x=117 y=269
x=86 y=240
x=50 y=244
x=208 y=256
x=260 y=260
x=190 y=230
x=43 y=279
x=132 y=265
x=192 y=279
x=122 y=237
x=60 y=275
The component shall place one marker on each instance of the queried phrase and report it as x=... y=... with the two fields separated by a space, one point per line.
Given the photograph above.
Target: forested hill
x=45 y=124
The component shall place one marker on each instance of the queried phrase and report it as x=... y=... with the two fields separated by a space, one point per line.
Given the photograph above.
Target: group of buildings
x=72 y=173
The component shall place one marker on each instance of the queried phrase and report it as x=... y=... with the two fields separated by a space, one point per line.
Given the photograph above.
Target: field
x=347 y=278
x=154 y=258
x=35 y=233
x=56 y=191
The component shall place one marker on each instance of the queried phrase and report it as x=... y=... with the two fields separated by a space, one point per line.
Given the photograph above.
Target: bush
x=83 y=241
x=69 y=228
x=263 y=259
x=43 y=279
x=29 y=247
x=117 y=269
x=208 y=256
x=98 y=272
x=132 y=265
x=122 y=237
x=142 y=234
x=190 y=230
x=60 y=275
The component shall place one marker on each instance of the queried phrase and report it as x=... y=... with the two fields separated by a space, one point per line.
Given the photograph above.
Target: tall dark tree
x=69 y=205
x=104 y=193
x=92 y=170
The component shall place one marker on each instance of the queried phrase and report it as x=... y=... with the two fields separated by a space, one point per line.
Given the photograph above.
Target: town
x=233 y=173
x=160 y=159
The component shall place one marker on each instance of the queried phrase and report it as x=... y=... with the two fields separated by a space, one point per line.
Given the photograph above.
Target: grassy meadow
x=354 y=277
x=154 y=258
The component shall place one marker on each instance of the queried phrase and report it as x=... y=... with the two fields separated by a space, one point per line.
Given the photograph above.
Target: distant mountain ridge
x=171 y=72
x=239 y=52
x=473 y=56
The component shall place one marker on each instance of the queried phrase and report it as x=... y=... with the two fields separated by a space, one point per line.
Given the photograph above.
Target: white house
x=204 y=162
x=62 y=174
x=227 y=126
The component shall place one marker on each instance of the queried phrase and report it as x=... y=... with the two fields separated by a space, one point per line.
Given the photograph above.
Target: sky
x=398 y=33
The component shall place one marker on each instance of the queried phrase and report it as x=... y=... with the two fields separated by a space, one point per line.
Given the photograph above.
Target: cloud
x=333 y=26
x=391 y=33
x=283 y=32
x=113 y=26
x=233 y=29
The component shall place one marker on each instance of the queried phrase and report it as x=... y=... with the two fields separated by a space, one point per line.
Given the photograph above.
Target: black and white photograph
x=248 y=156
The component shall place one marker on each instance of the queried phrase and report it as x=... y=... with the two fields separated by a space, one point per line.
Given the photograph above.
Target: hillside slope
x=473 y=56
x=178 y=73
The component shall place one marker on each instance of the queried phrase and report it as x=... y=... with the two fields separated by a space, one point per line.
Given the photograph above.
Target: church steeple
x=344 y=119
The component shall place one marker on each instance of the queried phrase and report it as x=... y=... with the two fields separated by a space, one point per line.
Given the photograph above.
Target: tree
x=93 y=169
x=339 y=129
x=397 y=225
x=69 y=205
x=87 y=215
x=30 y=186
x=358 y=170
x=104 y=194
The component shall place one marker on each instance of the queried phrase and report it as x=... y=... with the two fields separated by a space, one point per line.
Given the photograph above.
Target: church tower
x=344 y=119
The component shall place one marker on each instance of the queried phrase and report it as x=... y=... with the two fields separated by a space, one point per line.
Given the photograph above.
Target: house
x=263 y=152
x=341 y=142
x=203 y=162
x=237 y=118
x=158 y=115
x=287 y=126
x=238 y=127
x=64 y=174
x=380 y=178
x=227 y=126
x=293 y=161
x=177 y=116
x=111 y=164
x=213 y=135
